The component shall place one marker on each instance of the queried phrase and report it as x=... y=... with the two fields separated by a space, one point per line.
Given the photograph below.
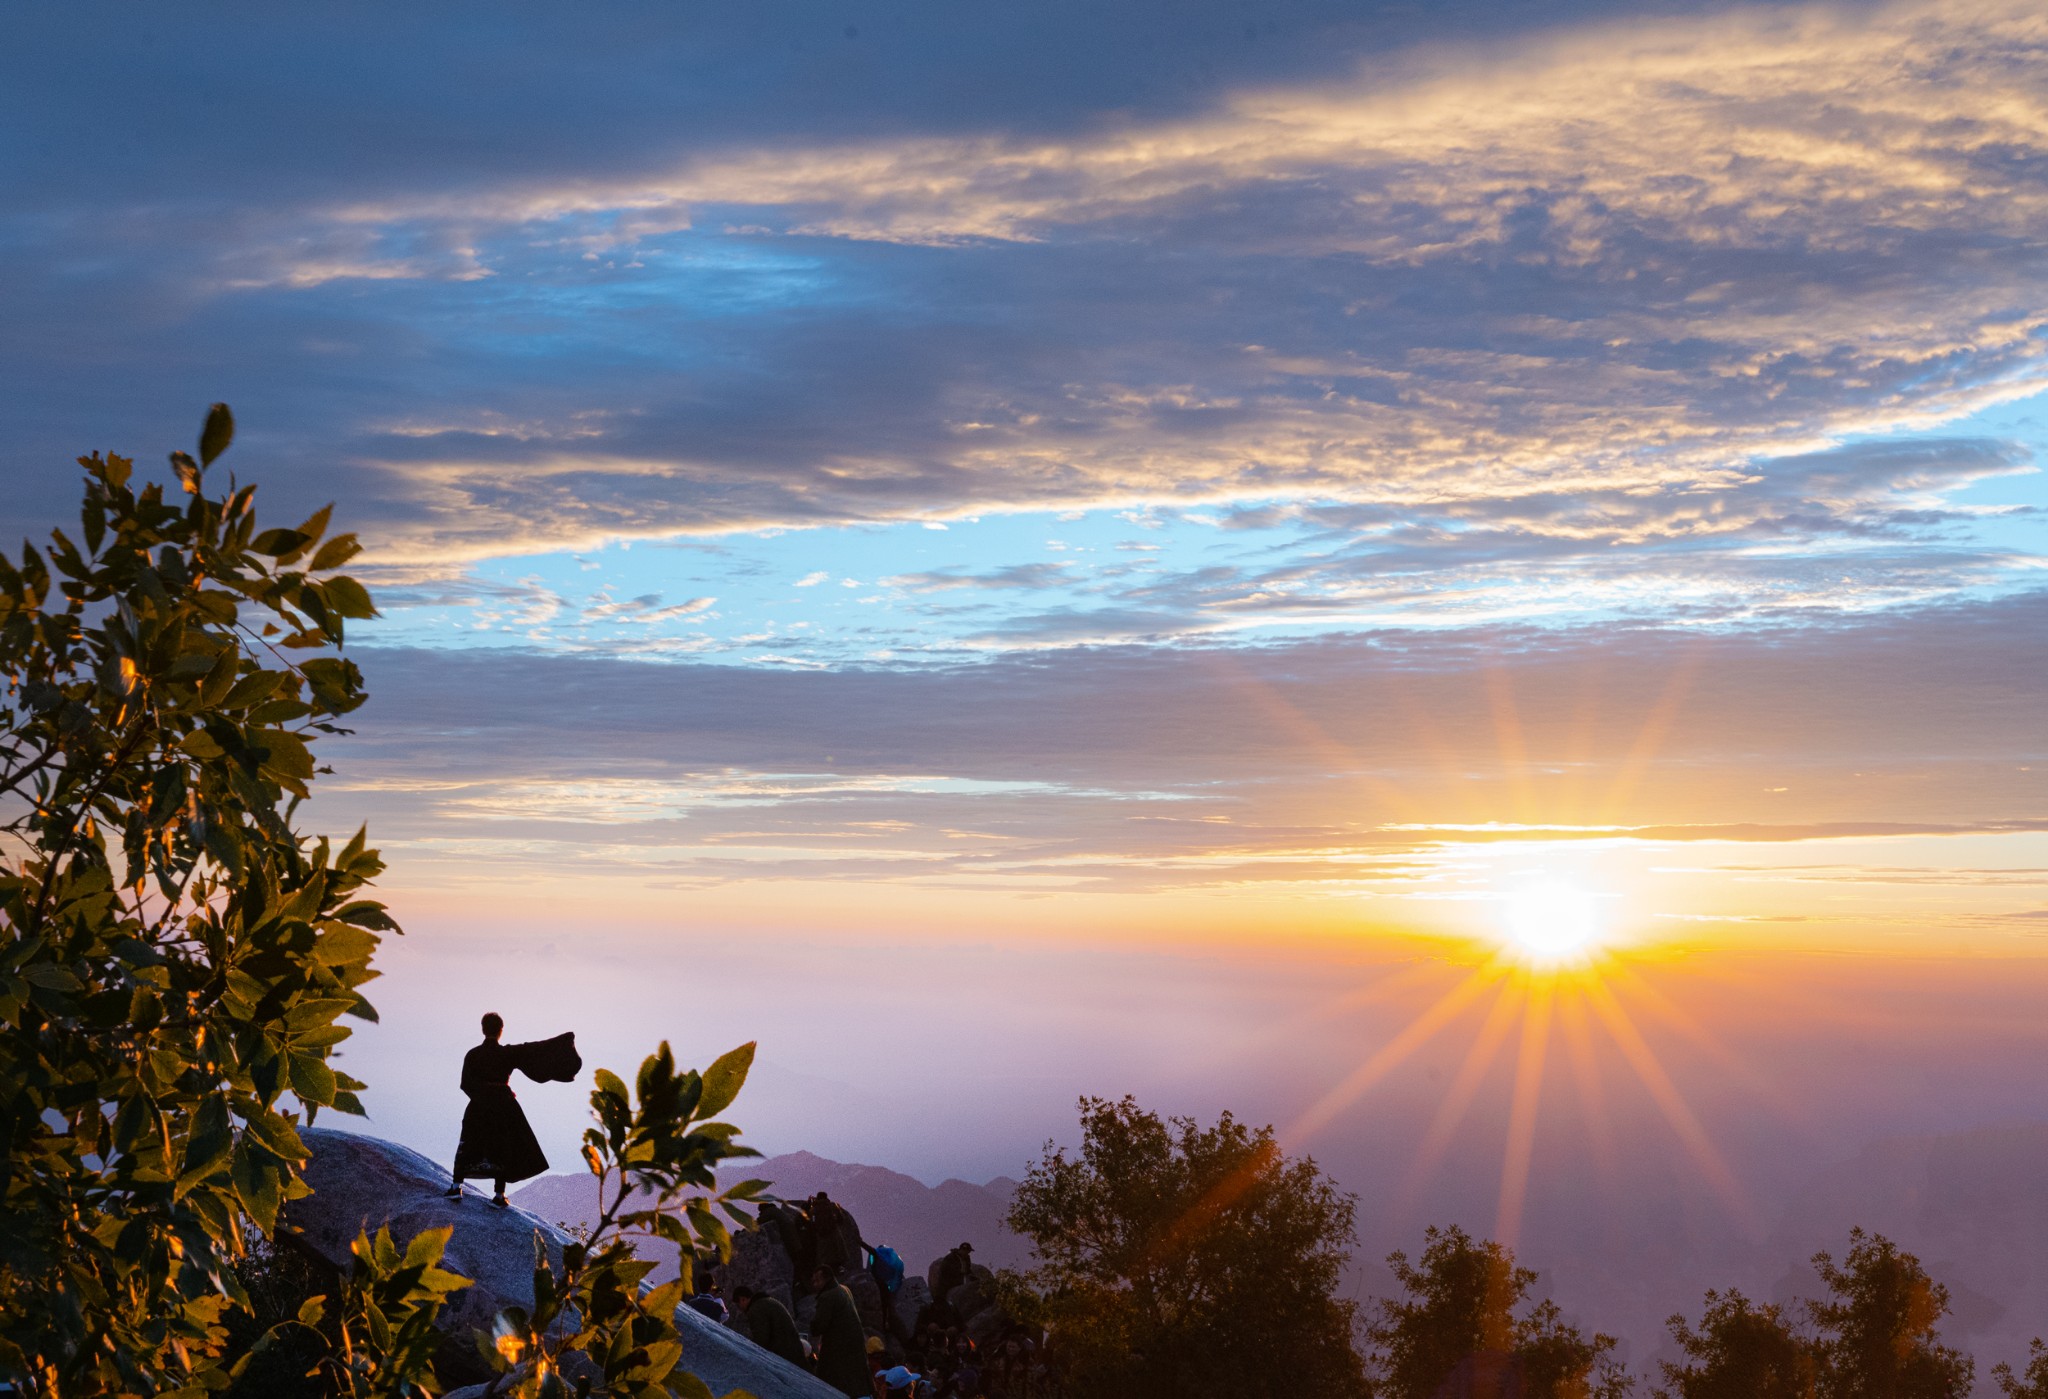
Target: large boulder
x=362 y=1182
x=760 y=1262
x=867 y=1299
x=911 y=1300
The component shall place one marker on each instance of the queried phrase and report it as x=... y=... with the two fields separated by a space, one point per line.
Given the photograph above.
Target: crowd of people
x=932 y=1356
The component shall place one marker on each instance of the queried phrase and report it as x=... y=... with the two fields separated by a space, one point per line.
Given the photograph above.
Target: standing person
x=497 y=1141
x=839 y=1245
x=955 y=1268
x=770 y=1324
x=837 y=1336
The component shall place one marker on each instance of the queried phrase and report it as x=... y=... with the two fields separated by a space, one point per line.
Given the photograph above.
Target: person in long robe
x=497 y=1142
x=770 y=1324
x=838 y=1337
x=838 y=1236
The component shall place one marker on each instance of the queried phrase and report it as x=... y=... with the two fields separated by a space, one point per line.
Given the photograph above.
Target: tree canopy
x=1179 y=1260
x=174 y=957
x=1460 y=1311
x=1879 y=1327
x=1742 y=1350
x=177 y=959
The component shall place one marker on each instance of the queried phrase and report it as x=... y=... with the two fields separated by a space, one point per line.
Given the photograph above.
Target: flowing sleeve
x=549 y=1061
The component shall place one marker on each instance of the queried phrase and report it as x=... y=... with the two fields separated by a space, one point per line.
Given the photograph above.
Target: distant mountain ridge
x=1973 y=1205
x=919 y=1221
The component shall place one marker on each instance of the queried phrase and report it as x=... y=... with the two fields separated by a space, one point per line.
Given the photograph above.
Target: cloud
x=645 y=609
x=1573 y=301
x=1021 y=575
x=1374 y=759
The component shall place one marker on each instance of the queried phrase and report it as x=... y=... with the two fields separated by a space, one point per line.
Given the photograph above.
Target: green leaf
x=278 y=542
x=334 y=553
x=316 y=1011
x=340 y=945
x=208 y=1147
x=364 y=913
x=215 y=436
x=257 y=685
x=51 y=977
x=348 y=598
x=201 y=745
x=316 y=523
x=724 y=1079
x=276 y=1135
x=687 y=1386
x=312 y=1080
x=427 y=1246
x=256 y=1180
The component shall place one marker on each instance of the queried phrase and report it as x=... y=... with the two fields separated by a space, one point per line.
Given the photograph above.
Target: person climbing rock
x=497 y=1141
x=837 y=1336
x=770 y=1324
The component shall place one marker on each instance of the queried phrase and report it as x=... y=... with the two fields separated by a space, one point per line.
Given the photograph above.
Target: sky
x=1016 y=551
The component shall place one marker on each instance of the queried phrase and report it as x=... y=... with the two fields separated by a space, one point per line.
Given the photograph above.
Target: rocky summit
x=361 y=1182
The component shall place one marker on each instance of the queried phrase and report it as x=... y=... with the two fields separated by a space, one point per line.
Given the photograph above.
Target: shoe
x=501 y=1202
x=453 y=1192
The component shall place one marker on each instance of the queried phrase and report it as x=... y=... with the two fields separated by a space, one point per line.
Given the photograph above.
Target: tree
x=1177 y=1260
x=1741 y=1351
x=174 y=957
x=2034 y=1384
x=1460 y=1309
x=1877 y=1332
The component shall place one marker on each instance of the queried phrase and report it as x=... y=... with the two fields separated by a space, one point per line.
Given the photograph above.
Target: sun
x=1550 y=923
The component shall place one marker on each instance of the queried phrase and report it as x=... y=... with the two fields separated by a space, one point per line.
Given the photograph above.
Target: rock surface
x=760 y=1263
x=911 y=1300
x=361 y=1182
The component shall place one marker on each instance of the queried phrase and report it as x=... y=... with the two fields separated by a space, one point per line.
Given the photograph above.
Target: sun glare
x=1551 y=923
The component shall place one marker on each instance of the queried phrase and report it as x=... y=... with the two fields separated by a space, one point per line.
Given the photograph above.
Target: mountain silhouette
x=919 y=1221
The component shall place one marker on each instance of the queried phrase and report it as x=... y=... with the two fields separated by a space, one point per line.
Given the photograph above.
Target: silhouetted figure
x=838 y=1337
x=770 y=1324
x=496 y=1140
x=838 y=1237
x=955 y=1268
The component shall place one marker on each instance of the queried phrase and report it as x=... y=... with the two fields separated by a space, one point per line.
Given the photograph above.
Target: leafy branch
x=593 y=1330
x=175 y=959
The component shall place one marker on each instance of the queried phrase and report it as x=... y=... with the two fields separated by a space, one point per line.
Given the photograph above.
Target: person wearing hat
x=770 y=1324
x=838 y=1337
x=900 y=1382
x=955 y=1268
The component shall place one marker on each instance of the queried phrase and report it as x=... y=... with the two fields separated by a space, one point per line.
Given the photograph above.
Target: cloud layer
x=1392 y=765
x=1532 y=311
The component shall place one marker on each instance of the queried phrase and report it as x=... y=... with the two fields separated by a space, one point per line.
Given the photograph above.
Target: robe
x=497 y=1143
x=841 y=1342
x=774 y=1329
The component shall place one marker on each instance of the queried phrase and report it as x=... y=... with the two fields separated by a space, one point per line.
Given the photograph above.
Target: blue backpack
x=887 y=1269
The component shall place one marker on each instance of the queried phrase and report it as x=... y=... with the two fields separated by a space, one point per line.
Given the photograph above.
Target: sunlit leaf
x=724 y=1079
